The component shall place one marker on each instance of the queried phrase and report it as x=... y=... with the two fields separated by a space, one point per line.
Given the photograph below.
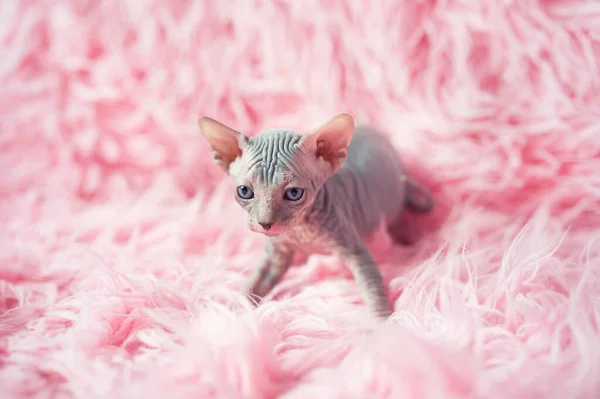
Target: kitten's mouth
x=272 y=231
x=268 y=233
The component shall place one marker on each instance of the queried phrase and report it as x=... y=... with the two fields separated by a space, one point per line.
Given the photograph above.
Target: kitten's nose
x=266 y=226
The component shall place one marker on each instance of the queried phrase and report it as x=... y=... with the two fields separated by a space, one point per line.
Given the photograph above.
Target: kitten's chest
x=309 y=239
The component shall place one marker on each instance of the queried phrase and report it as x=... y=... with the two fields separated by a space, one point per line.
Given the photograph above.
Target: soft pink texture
x=122 y=250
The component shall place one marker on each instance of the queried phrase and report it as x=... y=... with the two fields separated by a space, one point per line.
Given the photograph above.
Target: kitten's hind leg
x=418 y=199
x=404 y=229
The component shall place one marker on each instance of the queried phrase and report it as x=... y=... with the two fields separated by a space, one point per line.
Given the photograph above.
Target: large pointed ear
x=331 y=140
x=226 y=144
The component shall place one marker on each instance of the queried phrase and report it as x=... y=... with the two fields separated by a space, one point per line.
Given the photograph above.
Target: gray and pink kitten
x=321 y=192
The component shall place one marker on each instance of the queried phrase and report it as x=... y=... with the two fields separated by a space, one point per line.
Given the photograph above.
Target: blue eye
x=245 y=192
x=294 y=194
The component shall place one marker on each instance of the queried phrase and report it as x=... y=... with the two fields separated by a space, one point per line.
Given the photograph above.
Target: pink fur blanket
x=122 y=251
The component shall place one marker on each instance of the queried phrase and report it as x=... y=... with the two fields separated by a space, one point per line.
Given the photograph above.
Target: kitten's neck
x=318 y=206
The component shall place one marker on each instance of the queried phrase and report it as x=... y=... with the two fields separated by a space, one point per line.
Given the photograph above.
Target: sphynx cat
x=323 y=192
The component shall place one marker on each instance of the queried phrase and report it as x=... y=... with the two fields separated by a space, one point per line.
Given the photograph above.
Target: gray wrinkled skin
x=352 y=180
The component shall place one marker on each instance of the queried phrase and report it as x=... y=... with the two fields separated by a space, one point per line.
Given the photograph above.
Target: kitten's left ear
x=331 y=140
x=226 y=144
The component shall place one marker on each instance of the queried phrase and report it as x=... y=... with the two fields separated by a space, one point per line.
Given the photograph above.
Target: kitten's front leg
x=273 y=267
x=366 y=272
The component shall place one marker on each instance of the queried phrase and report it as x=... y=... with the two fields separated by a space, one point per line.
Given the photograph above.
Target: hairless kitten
x=321 y=192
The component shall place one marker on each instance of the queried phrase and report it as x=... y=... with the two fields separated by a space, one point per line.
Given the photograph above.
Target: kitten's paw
x=252 y=293
x=384 y=314
x=253 y=298
x=381 y=310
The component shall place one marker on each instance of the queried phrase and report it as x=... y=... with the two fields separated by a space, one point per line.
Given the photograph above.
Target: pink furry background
x=122 y=251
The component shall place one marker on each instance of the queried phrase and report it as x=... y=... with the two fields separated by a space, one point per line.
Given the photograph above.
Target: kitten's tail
x=418 y=199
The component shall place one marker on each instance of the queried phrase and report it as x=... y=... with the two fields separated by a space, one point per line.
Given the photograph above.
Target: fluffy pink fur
x=122 y=251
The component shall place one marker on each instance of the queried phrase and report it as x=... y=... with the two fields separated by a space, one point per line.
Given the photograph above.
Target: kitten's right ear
x=226 y=144
x=330 y=141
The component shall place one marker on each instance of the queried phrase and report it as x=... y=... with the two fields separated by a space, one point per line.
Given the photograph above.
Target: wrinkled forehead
x=275 y=157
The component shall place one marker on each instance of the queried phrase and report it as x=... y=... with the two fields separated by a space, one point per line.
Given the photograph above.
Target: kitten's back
x=371 y=182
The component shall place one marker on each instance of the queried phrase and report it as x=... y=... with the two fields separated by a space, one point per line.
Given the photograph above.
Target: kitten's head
x=278 y=173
